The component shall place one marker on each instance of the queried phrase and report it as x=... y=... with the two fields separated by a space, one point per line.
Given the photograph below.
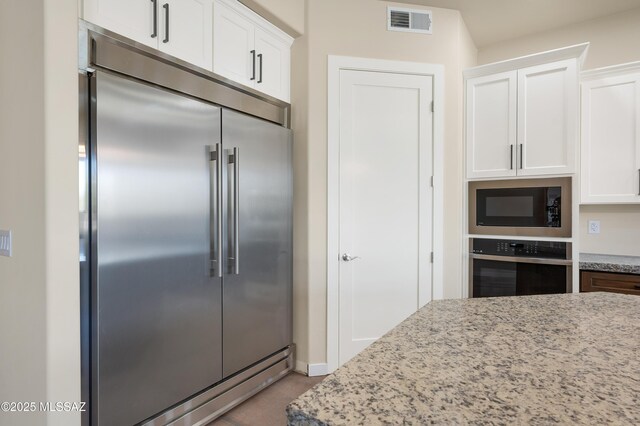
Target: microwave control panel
x=520 y=248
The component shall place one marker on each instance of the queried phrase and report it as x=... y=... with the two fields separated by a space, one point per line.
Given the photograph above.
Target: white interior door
x=386 y=203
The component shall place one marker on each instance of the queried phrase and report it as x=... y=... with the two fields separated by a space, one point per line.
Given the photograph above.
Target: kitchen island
x=568 y=359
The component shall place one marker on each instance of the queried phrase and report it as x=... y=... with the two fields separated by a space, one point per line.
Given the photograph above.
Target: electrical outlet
x=5 y=243
x=594 y=226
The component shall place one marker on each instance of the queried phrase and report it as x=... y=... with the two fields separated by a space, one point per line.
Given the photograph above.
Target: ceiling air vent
x=409 y=20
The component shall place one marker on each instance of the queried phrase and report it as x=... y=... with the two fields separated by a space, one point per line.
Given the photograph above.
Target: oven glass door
x=493 y=278
x=537 y=207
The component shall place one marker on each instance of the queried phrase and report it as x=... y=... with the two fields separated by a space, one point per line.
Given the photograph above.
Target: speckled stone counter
x=609 y=263
x=556 y=359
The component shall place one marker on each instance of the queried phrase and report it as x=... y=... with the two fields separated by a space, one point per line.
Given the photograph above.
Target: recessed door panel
x=186 y=30
x=491 y=125
x=547 y=118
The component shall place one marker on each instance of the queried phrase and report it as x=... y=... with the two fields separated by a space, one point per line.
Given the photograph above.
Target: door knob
x=347 y=258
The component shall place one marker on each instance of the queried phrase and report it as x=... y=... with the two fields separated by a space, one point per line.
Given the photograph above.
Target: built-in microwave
x=521 y=207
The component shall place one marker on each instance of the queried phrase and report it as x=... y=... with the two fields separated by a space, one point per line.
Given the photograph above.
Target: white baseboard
x=311 y=370
x=317 y=370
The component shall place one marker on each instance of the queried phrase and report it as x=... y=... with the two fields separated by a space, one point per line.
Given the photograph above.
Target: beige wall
x=614 y=40
x=358 y=28
x=288 y=15
x=39 y=317
x=300 y=119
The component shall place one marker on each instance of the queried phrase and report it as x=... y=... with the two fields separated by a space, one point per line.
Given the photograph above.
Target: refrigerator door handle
x=235 y=160
x=215 y=213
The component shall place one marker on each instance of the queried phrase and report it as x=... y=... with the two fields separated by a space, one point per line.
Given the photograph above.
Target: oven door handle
x=537 y=260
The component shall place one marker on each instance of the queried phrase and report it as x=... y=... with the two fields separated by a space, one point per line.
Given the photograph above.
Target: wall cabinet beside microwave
x=523 y=122
x=249 y=50
x=611 y=135
x=180 y=28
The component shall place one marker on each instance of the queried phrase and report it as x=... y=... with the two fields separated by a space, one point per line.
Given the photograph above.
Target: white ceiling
x=491 y=21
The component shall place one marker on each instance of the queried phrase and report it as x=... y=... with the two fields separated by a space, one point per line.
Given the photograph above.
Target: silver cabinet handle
x=511 y=158
x=260 y=67
x=166 y=22
x=521 y=156
x=347 y=258
x=235 y=160
x=216 y=216
x=638 y=181
x=154 y=34
x=253 y=61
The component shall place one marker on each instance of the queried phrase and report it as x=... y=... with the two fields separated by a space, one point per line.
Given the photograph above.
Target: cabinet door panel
x=233 y=41
x=273 y=75
x=609 y=282
x=491 y=125
x=547 y=118
x=190 y=33
x=130 y=18
x=610 y=140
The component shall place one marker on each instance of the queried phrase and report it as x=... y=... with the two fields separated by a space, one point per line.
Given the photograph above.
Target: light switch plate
x=5 y=243
x=594 y=226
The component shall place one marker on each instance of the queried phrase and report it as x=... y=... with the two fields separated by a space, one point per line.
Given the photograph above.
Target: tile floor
x=267 y=407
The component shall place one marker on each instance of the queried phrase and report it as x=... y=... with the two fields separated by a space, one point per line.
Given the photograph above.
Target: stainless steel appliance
x=187 y=238
x=521 y=207
x=518 y=268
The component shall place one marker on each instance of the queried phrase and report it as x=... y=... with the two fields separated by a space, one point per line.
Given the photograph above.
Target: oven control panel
x=520 y=248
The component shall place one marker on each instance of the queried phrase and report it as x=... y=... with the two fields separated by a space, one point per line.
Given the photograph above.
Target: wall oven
x=521 y=207
x=519 y=268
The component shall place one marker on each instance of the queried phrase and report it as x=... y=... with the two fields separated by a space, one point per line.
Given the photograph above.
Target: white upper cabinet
x=522 y=115
x=548 y=115
x=610 y=150
x=136 y=20
x=273 y=64
x=491 y=125
x=249 y=50
x=233 y=44
x=186 y=30
x=181 y=28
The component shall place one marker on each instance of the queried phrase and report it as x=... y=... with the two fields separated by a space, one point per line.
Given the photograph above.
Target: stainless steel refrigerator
x=191 y=248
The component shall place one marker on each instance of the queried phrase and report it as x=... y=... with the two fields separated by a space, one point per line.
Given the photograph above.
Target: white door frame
x=335 y=65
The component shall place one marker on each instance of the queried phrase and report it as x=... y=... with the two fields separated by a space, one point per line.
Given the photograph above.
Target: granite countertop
x=610 y=263
x=567 y=359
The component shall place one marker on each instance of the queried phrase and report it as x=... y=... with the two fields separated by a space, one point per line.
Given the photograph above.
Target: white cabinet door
x=611 y=140
x=273 y=63
x=491 y=125
x=547 y=118
x=234 y=56
x=186 y=30
x=131 y=18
